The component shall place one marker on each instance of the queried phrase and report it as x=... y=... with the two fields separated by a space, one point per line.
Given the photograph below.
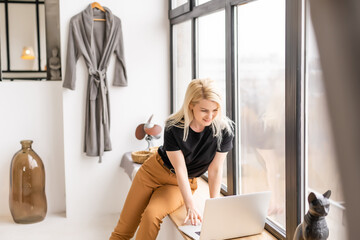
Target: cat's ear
x=327 y=194
x=311 y=197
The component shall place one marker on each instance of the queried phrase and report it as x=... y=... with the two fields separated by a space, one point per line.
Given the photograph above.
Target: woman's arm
x=215 y=174
x=177 y=160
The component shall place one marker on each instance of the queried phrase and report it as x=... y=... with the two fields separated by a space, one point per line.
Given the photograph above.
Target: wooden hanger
x=98 y=6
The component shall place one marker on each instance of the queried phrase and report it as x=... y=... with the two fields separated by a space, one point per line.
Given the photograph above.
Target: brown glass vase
x=27 y=186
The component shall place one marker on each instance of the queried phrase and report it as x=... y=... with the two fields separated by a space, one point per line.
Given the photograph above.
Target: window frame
x=184 y=8
x=8 y=42
x=294 y=99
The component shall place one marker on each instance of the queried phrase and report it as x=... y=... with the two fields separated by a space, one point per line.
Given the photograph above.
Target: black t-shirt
x=198 y=150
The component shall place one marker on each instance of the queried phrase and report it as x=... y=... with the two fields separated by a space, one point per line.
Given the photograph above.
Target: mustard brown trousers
x=154 y=193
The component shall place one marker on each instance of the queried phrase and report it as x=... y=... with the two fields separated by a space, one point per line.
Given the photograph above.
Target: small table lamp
x=28 y=53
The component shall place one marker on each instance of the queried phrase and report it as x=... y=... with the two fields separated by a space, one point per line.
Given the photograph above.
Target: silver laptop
x=231 y=217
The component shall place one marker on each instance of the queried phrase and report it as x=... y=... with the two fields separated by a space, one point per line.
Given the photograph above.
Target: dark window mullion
x=171 y=68
x=293 y=131
x=38 y=34
x=231 y=103
x=180 y=10
x=7 y=35
x=195 y=48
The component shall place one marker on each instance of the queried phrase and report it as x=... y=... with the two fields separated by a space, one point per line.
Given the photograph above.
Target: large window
x=263 y=55
x=181 y=61
x=210 y=59
x=261 y=77
x=321 y=165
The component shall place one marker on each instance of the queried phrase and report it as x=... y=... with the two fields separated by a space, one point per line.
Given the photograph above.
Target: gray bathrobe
x=96 y=41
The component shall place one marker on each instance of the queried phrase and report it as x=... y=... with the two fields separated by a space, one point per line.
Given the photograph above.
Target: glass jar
x=27 y=186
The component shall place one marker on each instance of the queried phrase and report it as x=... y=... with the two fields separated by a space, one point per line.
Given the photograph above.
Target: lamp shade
x=28 y=53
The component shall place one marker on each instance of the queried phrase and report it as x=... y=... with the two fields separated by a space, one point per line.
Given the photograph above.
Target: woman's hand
x=193 y=216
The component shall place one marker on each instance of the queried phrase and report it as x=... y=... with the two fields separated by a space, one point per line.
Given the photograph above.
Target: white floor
x=58 y=227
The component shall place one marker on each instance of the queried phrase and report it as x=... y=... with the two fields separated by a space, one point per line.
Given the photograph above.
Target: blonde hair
x=197 y=90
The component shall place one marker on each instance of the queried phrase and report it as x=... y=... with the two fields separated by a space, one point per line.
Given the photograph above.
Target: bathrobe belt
x=99 y=89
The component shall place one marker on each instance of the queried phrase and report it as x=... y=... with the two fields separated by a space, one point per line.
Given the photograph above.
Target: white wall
x=33 y=110
x=92 y=188
x=54 y=117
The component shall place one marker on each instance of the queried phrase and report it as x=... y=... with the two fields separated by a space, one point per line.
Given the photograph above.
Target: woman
x=196 y=139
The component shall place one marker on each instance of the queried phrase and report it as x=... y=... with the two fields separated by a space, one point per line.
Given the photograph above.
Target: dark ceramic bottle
x=27 y=186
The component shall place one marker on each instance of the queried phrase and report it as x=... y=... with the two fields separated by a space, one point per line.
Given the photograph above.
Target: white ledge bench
x=200 y=195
